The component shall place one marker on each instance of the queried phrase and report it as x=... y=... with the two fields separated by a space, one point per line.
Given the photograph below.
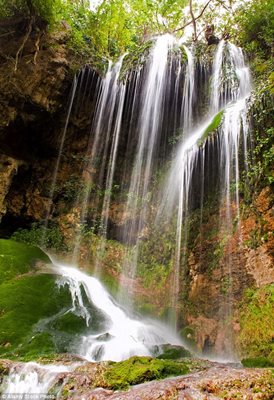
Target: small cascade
x=188 y=93
x=105 y=129
x=121 y=336
x=30 y=379
x=57 y=165
x=231 y=87
x=163 y=79
x=82 y=82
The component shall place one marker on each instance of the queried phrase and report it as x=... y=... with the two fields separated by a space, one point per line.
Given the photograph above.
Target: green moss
x=18 y=258
x=23 y=302
x=212 y=127
x=26 y=299
x=137 y=370
x=259 y=362
x=173 y=353
x=69 y=323
x=257 y=324
x=39 y=345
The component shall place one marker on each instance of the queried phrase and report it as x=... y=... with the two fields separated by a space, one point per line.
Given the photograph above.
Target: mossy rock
x=36 y=317
x=23 y=302
x=171 y=352
x=259 y=362
x=4 y=370
x=26 y=297
x=212 y=127
x=136 y=370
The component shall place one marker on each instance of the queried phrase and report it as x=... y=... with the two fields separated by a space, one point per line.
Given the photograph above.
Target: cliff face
x=33 y=105
x=35 y=80
x=222 y=268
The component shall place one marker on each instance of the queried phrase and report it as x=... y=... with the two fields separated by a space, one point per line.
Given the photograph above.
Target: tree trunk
x=193 y=21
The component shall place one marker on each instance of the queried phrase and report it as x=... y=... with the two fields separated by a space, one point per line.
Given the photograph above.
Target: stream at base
x=120 y=337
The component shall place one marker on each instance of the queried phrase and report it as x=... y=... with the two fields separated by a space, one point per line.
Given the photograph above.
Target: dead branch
x=23 y=43
x=37 y=47
x=7 y=34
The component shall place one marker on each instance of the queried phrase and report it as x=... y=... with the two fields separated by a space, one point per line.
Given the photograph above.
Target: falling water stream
x=159 y=100
x=230 y=91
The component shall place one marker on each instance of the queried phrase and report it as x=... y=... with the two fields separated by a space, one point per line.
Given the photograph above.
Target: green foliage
x=260 y=171
x=70 y=189
x=155 y=257
x=137 y=370
x=49 y=237
x=43 y=8
x=255 y=28
x=257 y=324
x=259 y=362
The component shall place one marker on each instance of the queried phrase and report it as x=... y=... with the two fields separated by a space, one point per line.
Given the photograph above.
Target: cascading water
x=84 y=75
x=105 y=129
x=231 y=86
x=159 y=87
x=31 y=378
x=120 y=336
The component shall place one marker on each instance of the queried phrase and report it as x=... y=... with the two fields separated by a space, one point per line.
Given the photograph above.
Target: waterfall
x=230 y=91
x=136 y=117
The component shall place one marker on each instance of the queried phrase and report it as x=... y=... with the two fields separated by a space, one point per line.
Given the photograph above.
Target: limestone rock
x=8 y=168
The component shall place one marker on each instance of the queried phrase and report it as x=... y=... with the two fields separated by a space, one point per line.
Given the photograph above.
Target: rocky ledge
x=142 y=378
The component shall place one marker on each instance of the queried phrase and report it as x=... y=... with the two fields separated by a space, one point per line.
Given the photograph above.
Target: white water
x=151 y=125
x=124 y=336
x=188 y=93
x=231 y=87
x=112 y=94
x=30 y=378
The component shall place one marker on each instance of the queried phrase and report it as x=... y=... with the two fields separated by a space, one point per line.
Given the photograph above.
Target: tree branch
x=193 y=20
x=198 y=16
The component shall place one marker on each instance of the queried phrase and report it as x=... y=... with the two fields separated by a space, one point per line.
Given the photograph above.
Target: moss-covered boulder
x=137 y=370
x=27 y=297
x=123 y=374
x=259 y=362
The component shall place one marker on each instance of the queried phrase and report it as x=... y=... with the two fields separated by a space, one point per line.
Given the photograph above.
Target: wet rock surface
x=218 y=382
x=208 y=380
